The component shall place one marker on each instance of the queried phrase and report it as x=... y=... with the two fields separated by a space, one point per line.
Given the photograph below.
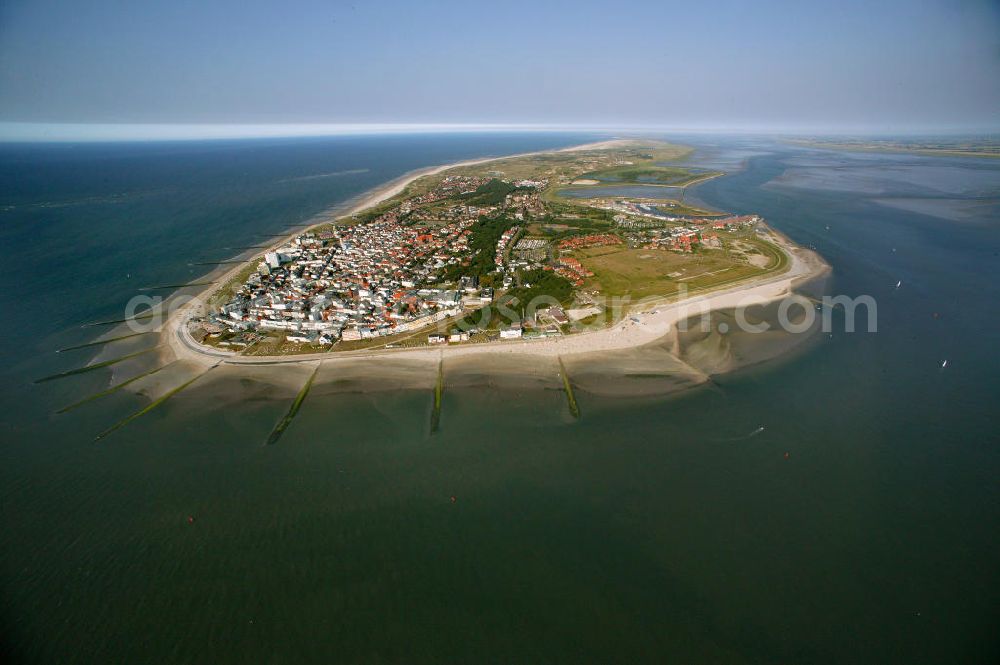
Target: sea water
x=839 y=505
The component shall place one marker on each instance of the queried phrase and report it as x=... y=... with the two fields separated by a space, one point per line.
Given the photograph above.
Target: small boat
x=899 y=283
x=944 y=364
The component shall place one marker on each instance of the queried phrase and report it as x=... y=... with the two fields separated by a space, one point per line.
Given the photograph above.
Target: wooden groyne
x=438 y=392
x=152 y=405
x=113 y=389
x=293 y=409
x=174 y=286
x=213 y=263
x=574 y=408
x=95 y=366
x=140 y=317
x=101 y=342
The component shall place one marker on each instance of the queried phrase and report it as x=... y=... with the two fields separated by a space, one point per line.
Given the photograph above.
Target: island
x=555 y=252
x=943 y=146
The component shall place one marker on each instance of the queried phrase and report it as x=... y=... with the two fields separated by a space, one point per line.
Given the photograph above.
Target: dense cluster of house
x=502 y=243
x=732 y=223
x=524 y=203
x=351 y=282
x=656 y=234
x=368 y=280
x=572 y=270
x=591 y=240
x=529 y=253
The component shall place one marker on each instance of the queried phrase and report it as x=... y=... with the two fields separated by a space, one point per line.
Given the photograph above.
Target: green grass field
x=649 y=174
x=642 y=273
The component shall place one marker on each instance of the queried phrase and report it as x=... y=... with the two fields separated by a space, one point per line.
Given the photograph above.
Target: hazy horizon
x=99 y=70
x=125 y=132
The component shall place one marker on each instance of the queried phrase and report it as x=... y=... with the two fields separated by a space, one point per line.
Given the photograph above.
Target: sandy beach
x=650 y=322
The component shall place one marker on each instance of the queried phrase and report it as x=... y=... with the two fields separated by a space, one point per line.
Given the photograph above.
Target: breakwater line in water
x=293 y=409
x=91 y=368
x=574 y=408
x=113 y=389
x=174 y=286
x=140 y=317
x=152 y=405
x=438 y=392
x=101 y=342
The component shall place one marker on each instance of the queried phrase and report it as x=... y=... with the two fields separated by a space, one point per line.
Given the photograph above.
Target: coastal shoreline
x=375 y=196
x=652 y=323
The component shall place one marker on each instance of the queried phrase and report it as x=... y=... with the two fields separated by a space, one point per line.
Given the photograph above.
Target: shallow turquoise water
x=649 y=530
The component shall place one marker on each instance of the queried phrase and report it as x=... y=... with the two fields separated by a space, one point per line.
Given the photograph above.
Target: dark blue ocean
x=860 y=526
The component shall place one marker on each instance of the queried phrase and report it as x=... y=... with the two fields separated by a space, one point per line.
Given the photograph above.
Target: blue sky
x=875 y=66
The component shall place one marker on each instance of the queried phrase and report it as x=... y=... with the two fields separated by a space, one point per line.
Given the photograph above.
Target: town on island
x=526 y=247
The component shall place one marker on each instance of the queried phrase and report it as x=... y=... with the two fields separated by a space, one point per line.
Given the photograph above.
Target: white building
x=514 y=332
